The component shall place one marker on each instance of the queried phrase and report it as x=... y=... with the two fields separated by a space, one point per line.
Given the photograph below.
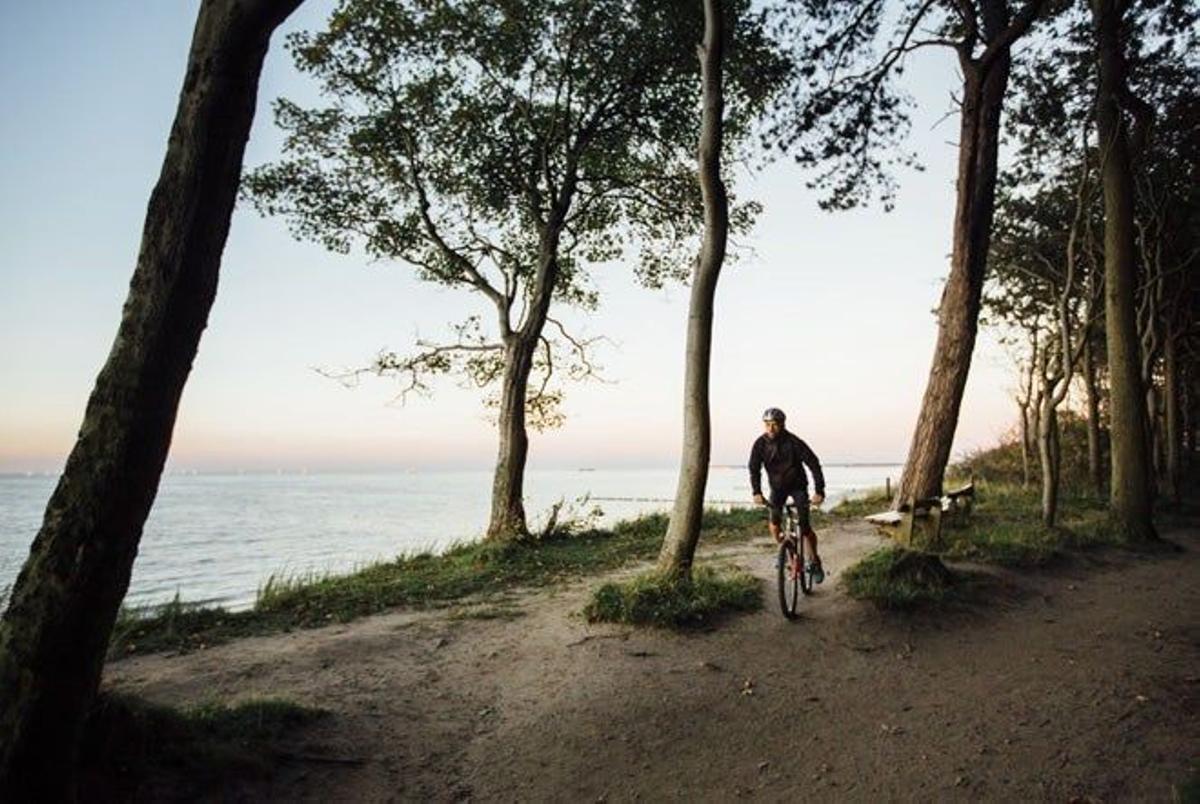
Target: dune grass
x=655 y=599
x=469 y=572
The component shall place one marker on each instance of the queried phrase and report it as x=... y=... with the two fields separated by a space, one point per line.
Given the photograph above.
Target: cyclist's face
x=772 y=428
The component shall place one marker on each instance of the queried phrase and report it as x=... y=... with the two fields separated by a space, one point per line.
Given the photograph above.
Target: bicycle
x=795 y=568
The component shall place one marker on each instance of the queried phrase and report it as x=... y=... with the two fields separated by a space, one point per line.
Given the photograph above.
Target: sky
x=826 y=315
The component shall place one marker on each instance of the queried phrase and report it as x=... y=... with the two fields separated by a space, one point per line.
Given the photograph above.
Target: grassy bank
x=475 y=572
x=133 y=750
x=1004 y=528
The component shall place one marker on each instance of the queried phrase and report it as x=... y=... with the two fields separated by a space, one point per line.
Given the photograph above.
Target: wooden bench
x=918 y=523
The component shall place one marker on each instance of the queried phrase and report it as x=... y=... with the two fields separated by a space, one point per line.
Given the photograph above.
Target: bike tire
x=806 y=581
x=789 y=581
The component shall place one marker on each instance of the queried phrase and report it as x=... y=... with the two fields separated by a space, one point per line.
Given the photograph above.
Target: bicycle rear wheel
x=791 y=570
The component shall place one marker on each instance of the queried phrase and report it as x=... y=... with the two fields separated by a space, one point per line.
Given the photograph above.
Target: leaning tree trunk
x=683 y=533
x=958 y=314
x=55 y=632
x=1130 y=496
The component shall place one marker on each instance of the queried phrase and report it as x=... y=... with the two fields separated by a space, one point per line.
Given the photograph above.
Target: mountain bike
x=794 y=565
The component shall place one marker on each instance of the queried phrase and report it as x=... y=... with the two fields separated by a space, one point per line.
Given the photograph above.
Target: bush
x=1002 y=463
x=895 y=578
x=656 y=599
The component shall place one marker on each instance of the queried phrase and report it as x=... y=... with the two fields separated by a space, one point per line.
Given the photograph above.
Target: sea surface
x=217 y=538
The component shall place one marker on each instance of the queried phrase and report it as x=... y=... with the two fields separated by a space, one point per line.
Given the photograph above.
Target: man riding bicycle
x=785 y=456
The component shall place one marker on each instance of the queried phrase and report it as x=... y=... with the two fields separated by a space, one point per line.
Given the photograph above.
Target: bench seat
x=918 y=523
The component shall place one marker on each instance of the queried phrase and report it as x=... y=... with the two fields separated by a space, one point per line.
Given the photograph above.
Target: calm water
x=217 y=538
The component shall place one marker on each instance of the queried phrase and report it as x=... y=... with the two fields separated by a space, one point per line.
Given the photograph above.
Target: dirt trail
x=1081 y=682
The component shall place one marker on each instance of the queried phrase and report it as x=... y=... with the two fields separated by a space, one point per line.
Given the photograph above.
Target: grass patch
x=897 y=579
x=655 y=599
x=133 y=749
x=1006 y=527
x=478 y=571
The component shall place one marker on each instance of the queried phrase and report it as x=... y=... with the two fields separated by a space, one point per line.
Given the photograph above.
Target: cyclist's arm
x=814 y=466
x=756 y=464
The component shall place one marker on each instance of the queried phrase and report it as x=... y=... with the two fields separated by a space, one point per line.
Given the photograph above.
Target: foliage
x=669 y=601
x=1001 y=464
x=846 y=115
x=466 y=574
x=503 y=149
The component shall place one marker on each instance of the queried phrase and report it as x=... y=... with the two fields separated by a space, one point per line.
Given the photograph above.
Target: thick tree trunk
x=1130 y=487
x=683 y=533
x=958 y=313
x=1172 y=433
x=55 y=632
x=1092 y=392
x=508 y=483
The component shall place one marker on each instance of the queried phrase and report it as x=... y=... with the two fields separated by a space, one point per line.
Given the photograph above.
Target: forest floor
x=1077 y=682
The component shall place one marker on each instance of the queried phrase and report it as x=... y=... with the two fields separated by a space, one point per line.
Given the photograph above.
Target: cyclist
x=785 y=456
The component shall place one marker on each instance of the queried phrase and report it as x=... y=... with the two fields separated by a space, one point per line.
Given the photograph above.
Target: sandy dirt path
x=1076 y=683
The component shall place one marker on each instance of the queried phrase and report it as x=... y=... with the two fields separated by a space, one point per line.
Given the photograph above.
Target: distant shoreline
x=435 y=470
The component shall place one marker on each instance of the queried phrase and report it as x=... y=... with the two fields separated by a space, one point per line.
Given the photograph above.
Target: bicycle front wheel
x=805 y=562
x=790 y=571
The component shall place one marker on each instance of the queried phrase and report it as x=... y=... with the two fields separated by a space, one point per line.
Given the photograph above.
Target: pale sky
x=827 y=316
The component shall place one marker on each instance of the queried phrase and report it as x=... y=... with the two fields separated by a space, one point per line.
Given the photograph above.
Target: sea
x=215 y=539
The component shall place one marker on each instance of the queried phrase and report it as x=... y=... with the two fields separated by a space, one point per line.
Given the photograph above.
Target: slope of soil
x=1081 y=682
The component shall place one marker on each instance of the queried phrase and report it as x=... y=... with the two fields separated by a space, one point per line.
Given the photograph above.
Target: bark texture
x=508 y=481
x=1091 y=386
x=985 y=81
x=683 y=533
x=55 y=632
x=1131 y=479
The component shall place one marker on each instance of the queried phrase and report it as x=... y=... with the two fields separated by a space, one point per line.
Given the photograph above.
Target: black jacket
x=784 y=457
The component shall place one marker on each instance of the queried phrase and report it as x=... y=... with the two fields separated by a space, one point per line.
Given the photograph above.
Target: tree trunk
x=683 y=533
x=1154 y=432
x=508 y=484
x=1172 y=434
x=1130 y=489
x=1048 y=453
x=1092 y=390
x=1025 y=474
x=55 y=632
x=958 y=313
